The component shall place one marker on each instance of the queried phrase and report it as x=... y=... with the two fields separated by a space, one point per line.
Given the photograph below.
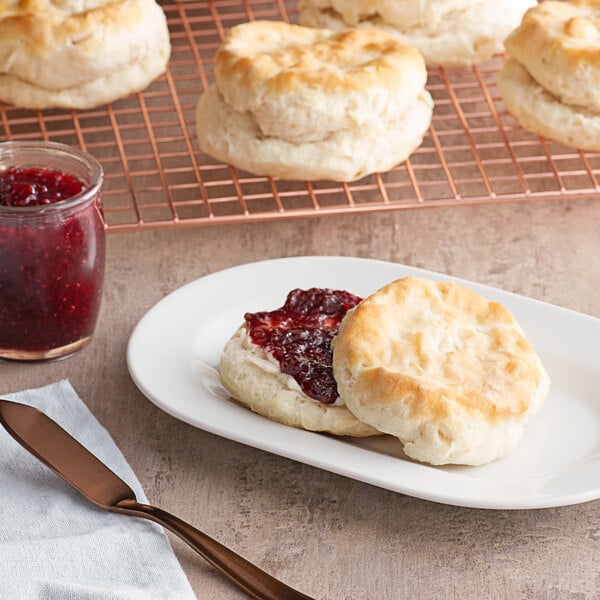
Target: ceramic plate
x=174 y=351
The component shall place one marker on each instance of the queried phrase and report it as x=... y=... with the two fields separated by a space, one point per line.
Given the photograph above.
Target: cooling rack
x=157 y=177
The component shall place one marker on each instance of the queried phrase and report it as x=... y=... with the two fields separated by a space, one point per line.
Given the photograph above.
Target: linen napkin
x=55 y=544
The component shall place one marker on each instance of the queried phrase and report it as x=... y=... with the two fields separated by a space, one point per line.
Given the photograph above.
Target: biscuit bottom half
x=256 y=381
x=107 y=88
x=542 y=113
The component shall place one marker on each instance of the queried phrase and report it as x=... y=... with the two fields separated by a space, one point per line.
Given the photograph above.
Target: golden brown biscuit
x=302 y=103
x=551 y=83
x=447 y=372
x=79 y=54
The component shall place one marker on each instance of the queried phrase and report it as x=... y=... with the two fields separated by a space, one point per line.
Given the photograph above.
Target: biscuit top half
x=285 y=58
x=559 y=45
x=433 y=345
x=302 y=85
x=567 y=26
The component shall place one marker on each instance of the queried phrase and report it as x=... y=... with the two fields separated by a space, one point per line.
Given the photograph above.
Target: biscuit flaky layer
x=449 y=373
x=540 y=112
x=446 y=32
x=79 y=54
x=344 y=155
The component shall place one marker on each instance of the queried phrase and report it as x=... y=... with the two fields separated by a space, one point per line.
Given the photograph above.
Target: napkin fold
x=55 y=544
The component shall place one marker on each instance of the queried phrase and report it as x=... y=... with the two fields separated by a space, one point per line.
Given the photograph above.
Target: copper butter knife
x=53 y=446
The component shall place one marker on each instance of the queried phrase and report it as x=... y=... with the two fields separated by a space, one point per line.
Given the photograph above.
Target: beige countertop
x=332 y=537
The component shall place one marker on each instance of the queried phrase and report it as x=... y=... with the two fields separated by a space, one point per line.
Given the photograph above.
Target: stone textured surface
x=331 y=537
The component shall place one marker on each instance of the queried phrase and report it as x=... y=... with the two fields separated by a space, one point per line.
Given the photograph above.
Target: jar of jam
x=52 y=249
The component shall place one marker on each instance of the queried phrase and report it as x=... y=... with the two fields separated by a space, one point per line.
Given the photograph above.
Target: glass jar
x=52 y=251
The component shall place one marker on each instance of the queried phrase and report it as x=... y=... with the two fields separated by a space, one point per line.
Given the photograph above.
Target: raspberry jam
x=299 y=334
x=34 y=187
x=51 y=258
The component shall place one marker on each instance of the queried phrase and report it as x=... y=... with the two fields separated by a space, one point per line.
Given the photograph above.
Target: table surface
x=329 y=536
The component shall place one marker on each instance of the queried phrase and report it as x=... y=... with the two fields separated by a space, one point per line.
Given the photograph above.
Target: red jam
x=51 y=263
x=34 y=187
x=299 y=334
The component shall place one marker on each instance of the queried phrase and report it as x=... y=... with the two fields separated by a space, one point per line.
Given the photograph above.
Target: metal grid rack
x=157 y=177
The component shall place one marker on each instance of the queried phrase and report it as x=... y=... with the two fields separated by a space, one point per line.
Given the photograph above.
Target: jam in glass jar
x=52 y=249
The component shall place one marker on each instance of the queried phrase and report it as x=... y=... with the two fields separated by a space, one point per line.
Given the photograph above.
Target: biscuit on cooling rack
x=447 y=372
x=446 y=32
x=73 y=54
x=551 y=83
x=301 y=103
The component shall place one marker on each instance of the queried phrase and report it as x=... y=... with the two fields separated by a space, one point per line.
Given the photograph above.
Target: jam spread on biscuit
x=298 y=335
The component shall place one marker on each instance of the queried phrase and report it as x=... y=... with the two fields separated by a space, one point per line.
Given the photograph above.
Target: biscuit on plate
x=447 y=372
x=78 y=55
x=446 y=32
x=253 y=376
x=551 y=83
x=301 y=103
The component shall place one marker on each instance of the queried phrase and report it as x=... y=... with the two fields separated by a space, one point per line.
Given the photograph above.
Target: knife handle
x=254 y=581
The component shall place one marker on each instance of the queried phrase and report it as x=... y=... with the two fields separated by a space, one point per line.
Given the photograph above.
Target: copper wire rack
x=157 y=177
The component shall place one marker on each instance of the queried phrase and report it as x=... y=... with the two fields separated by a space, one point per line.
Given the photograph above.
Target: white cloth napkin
x=55 y=544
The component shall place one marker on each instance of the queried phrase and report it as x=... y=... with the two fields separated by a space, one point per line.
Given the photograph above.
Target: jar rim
x=90 y=189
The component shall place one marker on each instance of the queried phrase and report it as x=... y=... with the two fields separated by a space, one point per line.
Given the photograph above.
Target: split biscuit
x=78 y=55
x=254 y=378
x=551 y=84
x=301 y=103
x=446 y=32
x=447 y=372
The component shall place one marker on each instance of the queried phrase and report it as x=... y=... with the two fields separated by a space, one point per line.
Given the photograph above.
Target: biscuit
x=78 y=55
x=446 y=32
x=551 y=83
x=301 y=103
x=558 y=43
x=447 y=372
x=254 y=378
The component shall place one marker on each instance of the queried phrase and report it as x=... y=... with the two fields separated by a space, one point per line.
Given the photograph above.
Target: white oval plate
x=174 y=351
